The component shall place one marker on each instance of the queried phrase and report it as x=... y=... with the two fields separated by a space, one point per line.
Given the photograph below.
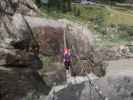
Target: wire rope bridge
x=89 y=77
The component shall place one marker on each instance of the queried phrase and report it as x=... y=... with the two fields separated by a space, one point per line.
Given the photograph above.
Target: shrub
x=76 y=11
x=126 y=31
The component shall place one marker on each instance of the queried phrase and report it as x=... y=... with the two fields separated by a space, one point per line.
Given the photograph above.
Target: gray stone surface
x=117 y=87
x=78 y=38
x=19 y=60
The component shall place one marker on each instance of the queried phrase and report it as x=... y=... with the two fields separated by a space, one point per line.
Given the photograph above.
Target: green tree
x=38 y=2
x=111 y=1
x=64 y=5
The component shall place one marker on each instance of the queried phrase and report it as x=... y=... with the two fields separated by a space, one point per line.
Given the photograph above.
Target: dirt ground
x=123 y=66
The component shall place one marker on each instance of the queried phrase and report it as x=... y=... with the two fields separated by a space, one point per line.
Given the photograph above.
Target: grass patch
x=100 y=17
x=82 y=13
x=110 y=15
x=120 y=17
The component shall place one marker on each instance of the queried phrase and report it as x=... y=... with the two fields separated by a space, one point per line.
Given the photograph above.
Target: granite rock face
x=25 y=7
x=78 y=38
x=19 y=60
x=118 y=87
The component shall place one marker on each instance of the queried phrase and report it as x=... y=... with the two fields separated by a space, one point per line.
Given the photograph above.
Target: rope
x=64 y=37
x=65 y=46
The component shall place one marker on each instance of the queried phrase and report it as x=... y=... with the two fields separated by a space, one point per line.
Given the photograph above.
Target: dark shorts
x=67 y=64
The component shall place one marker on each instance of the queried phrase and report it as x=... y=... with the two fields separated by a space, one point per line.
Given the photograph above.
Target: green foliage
x=116 y=34
x=47 y=60
x=126 y=31
x=89 y=12
x=62 y=5
x=38 y=3
x=50 y=63
x=77 y=62
x=112 y=1
x=101 y=30
x=32 y=96
x=101 y=19
x=100 y=25
x=76 y=12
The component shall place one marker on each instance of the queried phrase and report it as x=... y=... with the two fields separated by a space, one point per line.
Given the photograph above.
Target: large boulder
x=17 y=43
x=114 y=87
x=25 y=7
x=78 y=38
x=51 y=36
x=19 y=50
